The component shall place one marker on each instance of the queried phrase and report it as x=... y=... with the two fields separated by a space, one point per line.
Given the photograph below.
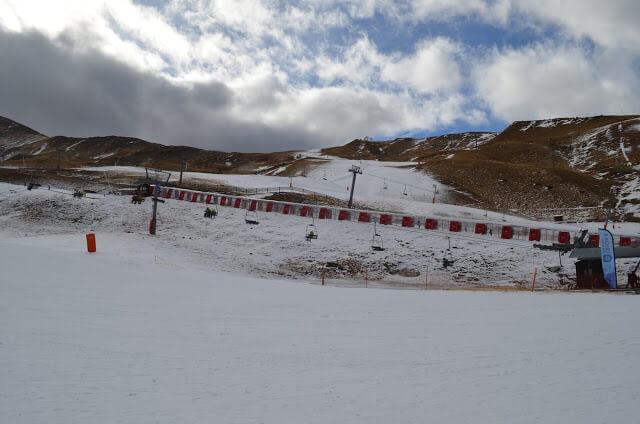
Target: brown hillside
x=555 y=163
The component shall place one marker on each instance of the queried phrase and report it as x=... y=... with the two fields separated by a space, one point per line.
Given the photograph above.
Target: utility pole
x=355 y=170
x=59 y=149
x=181 y=169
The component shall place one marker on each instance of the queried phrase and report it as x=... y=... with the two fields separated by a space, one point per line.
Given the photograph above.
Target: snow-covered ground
x=277 y=247
x=126 y=336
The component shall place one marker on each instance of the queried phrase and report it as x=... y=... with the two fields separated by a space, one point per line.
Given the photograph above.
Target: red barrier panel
x=534 y=234
x=342 y=215
x=285 y=209
x=594 y=240
x=563 y=237
x=455 y=226
x=364 y=217
x=507 y=232
x=625 y=241
x=237 y=203
x=304 y=211
x=407 y=221
x=194 y=197
x=481 y=229
x=169 y=193
x=431 y=224
x=252 y=206
x=181 y=195
x=324 y=213
x=150 y=189
x=269 y=207
x=223 y=201
x=209 y=196
x=385 y=219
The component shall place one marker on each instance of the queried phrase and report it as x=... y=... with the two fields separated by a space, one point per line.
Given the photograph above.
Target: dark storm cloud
x=55 y=91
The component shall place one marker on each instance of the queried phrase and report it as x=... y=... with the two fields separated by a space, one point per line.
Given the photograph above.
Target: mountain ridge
x=551 y=163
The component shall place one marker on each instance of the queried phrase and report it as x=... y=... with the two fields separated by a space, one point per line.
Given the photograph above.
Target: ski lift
x=376 y=243
x=251 y=217
x=384 y=185
x=376 y=240
x=311 y=232
x=405 y=190
x=211 y=212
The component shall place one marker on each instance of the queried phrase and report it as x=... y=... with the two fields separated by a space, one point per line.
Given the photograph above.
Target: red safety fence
x=479 y=228
x=431 y=224
x=534 y=234
x=564 y=237
x=364 y=217
x=344 y=215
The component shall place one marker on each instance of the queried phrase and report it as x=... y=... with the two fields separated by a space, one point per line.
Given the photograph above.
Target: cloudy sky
x=264 y=75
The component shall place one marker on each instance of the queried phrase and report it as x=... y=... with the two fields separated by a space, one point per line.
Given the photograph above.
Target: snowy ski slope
x=117 y=336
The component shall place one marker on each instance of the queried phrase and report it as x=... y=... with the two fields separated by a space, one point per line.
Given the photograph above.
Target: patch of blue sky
x=391 y=36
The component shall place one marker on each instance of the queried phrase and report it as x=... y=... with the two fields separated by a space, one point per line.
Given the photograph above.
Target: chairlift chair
x=376 y=243
x=311 y=232
x=251 y=217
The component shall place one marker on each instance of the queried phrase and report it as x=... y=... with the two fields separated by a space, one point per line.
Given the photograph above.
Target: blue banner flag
x=608 y=258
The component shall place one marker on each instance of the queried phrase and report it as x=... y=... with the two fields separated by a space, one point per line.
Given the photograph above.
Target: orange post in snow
x=91 y=242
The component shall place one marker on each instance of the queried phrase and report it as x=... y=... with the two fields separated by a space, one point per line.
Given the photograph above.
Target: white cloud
x=611 y=23
x=312 y=67
x=545 y=81
x=432 y=68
